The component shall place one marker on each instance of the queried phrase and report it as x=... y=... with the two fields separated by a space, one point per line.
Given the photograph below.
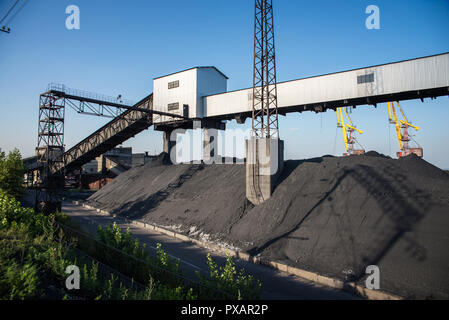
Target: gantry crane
x=403 y=136
x=348 y=133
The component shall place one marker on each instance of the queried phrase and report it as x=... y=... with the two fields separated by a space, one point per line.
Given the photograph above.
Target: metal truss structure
x=265 y=112
x=131 y=120
x=53 y=162
x=90 y=103
x=50 y=147
x=112 y=134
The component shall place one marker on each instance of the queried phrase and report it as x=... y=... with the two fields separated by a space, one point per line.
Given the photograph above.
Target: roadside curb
x=334 y=283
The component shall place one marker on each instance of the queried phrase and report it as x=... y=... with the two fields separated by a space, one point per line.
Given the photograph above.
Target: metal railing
x=89 y=95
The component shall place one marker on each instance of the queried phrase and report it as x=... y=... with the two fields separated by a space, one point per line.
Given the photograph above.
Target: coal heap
x=331 y=215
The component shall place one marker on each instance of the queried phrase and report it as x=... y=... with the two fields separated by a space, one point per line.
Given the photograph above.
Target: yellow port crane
x=348 y=133
x=402 y=131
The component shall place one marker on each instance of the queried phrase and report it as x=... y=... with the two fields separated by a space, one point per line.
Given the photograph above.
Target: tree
x=12 y=170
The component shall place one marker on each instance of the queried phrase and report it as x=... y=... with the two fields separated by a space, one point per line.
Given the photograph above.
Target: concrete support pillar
x=170 y=143
x=264 y=165
x=210 y=142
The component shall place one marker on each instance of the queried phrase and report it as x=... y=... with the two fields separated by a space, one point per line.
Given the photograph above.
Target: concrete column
x=170 y=143
x=210 y=144
x=264 y=165
x=210 y=141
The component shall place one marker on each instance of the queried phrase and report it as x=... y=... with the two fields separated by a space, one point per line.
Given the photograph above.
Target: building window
x=173 y=84
x=365 y=78
x=173 y=106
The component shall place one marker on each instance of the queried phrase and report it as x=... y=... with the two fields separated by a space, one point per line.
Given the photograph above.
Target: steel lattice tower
x=50 y=148
x=265 y=114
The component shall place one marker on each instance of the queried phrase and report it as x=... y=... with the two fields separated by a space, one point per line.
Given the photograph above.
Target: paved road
x=275 y=284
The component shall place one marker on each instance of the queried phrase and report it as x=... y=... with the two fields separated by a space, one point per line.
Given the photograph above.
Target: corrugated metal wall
x=184 y=94
x=192 y=85
x=418 y=74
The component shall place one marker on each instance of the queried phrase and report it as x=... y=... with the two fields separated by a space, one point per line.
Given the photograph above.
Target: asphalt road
x=275 y=284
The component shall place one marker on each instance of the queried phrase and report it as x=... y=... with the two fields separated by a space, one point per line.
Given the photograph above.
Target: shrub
x=18 y=282
x=237 y=285
x=34 y=255
x=159 y=267
x=114 y=236
x=222 y=282
x=12 y=170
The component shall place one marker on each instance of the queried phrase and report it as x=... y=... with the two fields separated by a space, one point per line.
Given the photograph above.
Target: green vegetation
x=34 y=257
x=224 y=282
x=36 y=249
x=11 y=173
x=117 y=249
x=227 y=279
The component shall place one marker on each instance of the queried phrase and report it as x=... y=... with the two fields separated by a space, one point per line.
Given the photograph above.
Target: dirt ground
x=332 y=215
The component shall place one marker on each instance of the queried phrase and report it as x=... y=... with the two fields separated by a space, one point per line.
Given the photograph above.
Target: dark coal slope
x=330 y=215
x=140 y=189
x=337 y=215
x=211 y=198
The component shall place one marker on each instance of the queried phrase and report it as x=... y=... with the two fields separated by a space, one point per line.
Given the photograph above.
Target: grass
x=34 y=254
x=35 y=251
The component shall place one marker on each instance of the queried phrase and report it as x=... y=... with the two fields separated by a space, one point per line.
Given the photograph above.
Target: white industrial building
x=182 y=92
x=201 y=92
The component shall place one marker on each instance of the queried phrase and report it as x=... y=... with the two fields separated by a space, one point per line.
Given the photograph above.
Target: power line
x=9 y=11
x=17 y=11
x=9 y=19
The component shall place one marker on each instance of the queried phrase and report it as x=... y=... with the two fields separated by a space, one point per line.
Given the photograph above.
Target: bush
x=12 y=170
x=113 y=236
x=18 y=282
x=237 y=285
x=161 y=268
x=34 y=255
x=222 y=282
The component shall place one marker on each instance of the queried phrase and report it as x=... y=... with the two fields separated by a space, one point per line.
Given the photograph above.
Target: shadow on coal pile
x=291 y=165
x=399 y=203
x=340 y=215
x=142 y=207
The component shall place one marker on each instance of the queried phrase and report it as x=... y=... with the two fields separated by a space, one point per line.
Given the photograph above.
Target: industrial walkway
x=275 y=284
x=113 y=133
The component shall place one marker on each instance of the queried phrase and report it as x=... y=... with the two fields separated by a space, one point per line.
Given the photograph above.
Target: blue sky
x=122 y=45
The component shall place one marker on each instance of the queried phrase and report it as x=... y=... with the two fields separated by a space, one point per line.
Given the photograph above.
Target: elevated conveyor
x=419 y=78
x=126 y=125
x=112 y=134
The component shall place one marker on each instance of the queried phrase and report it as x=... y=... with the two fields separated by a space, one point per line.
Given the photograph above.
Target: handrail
x=89 y=95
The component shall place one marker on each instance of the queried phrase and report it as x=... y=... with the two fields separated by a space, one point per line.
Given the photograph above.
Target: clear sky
x=122 y=45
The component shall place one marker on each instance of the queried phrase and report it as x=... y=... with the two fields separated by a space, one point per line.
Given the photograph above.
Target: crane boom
x=348 y=132
x=343 y=127
x=391 y=110
x=402 y=133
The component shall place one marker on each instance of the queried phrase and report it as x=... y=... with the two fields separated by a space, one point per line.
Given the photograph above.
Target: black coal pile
x=331 y=215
